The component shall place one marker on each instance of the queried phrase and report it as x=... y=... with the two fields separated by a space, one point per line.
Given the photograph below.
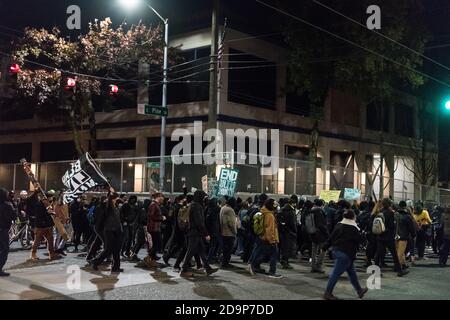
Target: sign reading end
x=151 y=110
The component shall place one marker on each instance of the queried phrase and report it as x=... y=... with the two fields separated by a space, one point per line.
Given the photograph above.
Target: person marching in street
x=406 y=231
x=78 y=214
x=99 y=239
x=129 y=212
x=7 y=216
x=445 y=241
x=269 y=240
x=344 y=241
x=212 y=221
x=196 y=234
x=424 y=222
x=287 y=228
x=44 y=225
x=387 y=239
x=437 y=226
x=228 y=229
x=140 y=230
x=177 y=239
x=155 y=218
x=109 y=221
x=316 y=227
x=62 y=214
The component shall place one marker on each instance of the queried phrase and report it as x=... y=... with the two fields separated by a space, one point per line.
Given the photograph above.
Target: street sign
x=152 y=110
x=153 y=165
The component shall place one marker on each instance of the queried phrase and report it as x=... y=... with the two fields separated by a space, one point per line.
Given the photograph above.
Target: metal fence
x=141 y=175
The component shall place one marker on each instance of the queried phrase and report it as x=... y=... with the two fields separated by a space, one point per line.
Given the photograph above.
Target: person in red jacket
x=155 y=218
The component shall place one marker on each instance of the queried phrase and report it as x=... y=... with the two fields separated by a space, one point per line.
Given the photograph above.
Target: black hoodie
x=197 y=226
x=7 y=212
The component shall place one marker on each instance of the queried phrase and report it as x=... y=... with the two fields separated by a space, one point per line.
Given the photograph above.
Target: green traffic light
x=447 y=105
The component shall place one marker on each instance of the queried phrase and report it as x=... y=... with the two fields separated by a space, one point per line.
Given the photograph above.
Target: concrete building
x=252 y=95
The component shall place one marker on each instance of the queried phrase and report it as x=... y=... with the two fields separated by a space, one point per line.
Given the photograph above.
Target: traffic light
x=113 y=89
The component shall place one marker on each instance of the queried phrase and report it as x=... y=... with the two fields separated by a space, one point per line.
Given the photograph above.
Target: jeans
x=266 y=250
x=443 y=252
x=4 y=247
x=342 y=263
x=228 y=243
x=257 y=247
x=240 y=242
x=317 y=256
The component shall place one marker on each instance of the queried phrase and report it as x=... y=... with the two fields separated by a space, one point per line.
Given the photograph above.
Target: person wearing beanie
x=344 y=241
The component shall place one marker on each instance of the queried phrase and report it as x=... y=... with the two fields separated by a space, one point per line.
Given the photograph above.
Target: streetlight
x=162 y=164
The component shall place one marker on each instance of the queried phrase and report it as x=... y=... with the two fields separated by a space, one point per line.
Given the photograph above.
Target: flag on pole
x=221 y=48
x=82 y=177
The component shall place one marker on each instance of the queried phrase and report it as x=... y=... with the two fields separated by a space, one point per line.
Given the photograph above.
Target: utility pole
x=213 y=78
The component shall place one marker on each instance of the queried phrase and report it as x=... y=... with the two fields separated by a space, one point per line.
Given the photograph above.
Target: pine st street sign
x=151 y=110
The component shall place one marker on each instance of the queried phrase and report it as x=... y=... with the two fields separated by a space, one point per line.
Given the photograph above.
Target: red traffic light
x=14 y=68
x=71 y=83
x=113 y=89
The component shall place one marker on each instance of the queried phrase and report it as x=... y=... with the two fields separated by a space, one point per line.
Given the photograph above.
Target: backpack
x=248 y=223
x=183 y=218
x=378 y=226
x=258 y=224
x=310 y=223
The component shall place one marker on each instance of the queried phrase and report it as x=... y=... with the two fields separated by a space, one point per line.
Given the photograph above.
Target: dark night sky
x=244 y=15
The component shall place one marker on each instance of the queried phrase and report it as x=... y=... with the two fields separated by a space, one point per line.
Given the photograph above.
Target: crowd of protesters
x=196 y=232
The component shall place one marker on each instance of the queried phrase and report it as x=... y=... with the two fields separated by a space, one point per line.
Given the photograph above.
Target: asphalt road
x=53 y=280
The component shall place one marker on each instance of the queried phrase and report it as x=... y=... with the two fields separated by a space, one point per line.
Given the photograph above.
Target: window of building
x=373 y=116
x=345 y=109
x=12 y=153
x=193 y=79
x=298 y=104
x=251 y=80
x=116 y=144
x=299 y=153
x=58 y=151
x=404 y=120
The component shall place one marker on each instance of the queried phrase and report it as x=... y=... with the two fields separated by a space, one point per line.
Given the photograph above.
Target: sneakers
x=362 y=293
x=4 y=274
x=275 y=276
x=210 y=271
x=117 y=270
x=329 y=296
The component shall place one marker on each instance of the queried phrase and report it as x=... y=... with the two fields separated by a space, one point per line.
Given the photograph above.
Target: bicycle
x=21 y=231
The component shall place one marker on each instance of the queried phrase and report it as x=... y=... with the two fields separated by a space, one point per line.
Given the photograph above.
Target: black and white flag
x=84 y=176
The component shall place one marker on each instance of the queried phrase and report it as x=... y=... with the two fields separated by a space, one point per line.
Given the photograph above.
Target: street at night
x=224 y=150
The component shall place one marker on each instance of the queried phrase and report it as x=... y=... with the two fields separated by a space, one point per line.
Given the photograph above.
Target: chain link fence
x=141 y=175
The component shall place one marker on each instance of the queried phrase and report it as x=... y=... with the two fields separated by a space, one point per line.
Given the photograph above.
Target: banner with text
x=330 y=195
x=227 y=182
